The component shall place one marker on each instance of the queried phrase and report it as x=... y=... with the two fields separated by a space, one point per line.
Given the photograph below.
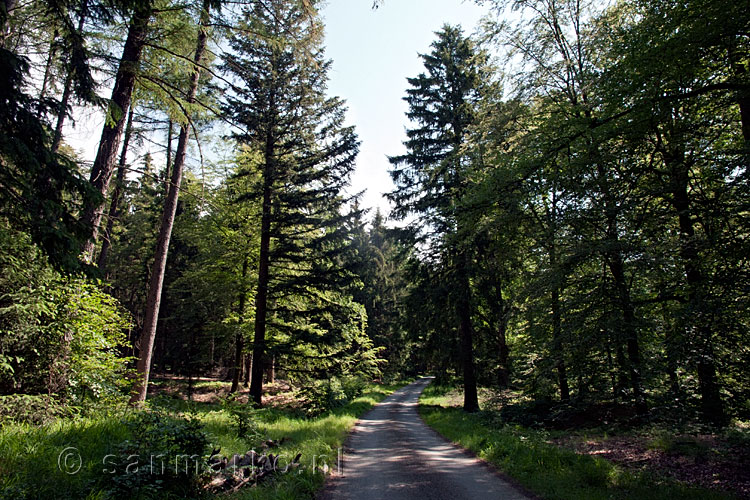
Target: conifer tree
x=431 y=178
x=307 y=156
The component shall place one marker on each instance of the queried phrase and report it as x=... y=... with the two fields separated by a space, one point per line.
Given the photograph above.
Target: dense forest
x=569 y=222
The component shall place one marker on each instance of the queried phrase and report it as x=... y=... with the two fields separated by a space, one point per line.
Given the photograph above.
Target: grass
x=318 y=440
x=29 y=454
x=545 y=469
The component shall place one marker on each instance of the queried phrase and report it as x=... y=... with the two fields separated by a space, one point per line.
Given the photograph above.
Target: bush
x=325 y=395
x=58 y=334
x=243 y=416
x=164 y=458
x=30 y=409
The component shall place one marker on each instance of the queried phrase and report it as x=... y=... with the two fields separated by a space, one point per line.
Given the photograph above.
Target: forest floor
x=706 y=460
x=674 y=462
x=279 y=394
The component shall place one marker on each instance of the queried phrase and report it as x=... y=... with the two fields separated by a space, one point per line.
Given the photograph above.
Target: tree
x=380 y=263
x=307 y=156
x=103 y=167
x=41 y=188
x=431 y=177
x=165 y=232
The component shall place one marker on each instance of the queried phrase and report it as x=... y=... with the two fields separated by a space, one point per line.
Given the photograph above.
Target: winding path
x=391 y=454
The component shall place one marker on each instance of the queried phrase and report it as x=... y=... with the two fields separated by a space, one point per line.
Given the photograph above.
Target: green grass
x=29 y=457
x=320 y=438
x=545 y=469
x=29 y=454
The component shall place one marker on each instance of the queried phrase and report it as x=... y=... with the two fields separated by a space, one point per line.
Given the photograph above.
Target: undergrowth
x=549 y=471
x=42 y=461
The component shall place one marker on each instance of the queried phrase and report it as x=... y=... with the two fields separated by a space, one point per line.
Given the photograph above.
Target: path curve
x=391 y=454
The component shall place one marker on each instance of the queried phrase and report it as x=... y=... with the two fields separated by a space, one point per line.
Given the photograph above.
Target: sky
x=373 y=52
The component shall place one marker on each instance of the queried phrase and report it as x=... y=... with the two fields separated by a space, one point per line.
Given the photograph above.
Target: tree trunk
x=743 y=96
x=562 y=373
x=114 y=207
x=168 y=166
x=48 y=65
x=614 y=260
x=558 y=353
x=631 y=334
x=247 y=369
x=465 y=334
x=503 y=352
x=712 y=405
x=165 y=232
x=65 y=99
x=271 y=370
x=238 y=340
x=102 y=169
x=10 y=5
x=261 y=296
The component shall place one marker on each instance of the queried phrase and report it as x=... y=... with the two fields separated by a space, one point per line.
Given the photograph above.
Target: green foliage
x=31 y=409
x=106 y=443
x=105 y=456
x=165 y=457
x=58 y=334
x=39 y=189
x=545 y=469
x=380 y=263
x=244 y=417
x=294 y=177
x=324 y=395
x=596 y=205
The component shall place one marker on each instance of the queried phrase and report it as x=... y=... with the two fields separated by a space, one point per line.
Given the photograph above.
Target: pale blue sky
x=373 y=53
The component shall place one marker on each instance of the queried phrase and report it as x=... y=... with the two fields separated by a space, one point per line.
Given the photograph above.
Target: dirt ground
x=210 y=390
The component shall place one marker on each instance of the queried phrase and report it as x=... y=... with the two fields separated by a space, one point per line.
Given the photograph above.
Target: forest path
x=392 y=454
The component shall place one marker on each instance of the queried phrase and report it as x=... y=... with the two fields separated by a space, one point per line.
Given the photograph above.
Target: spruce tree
x=307 y=157
x=431 y=178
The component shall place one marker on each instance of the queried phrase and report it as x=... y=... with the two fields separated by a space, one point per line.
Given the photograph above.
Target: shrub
x=164 y=458
x=325 y=395
x=243 y=417
x=30 y=409
x=58 y=334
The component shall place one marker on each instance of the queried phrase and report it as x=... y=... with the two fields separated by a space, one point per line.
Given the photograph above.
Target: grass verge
x=66 y=458
x=548 y=471
x=318 y=439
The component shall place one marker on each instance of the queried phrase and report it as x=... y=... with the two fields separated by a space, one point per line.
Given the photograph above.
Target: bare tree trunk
x=101 y=171
x=465 y=333
x=238 y=343
x=562 y=374
x=62 y=112
x=712 y=405
x=48 y=65
x=247 y=370
x=743 y=96
x=503 y=353
x=114 y=207
x=153 y=302
x=261 y=296
x=168 y=166
x=271 y=370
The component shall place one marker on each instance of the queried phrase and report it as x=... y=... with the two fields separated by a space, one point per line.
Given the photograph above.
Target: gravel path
x=392 y=454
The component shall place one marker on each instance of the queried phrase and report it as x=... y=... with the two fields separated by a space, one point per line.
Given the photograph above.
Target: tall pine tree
x=307 y=157
x=431 y=178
